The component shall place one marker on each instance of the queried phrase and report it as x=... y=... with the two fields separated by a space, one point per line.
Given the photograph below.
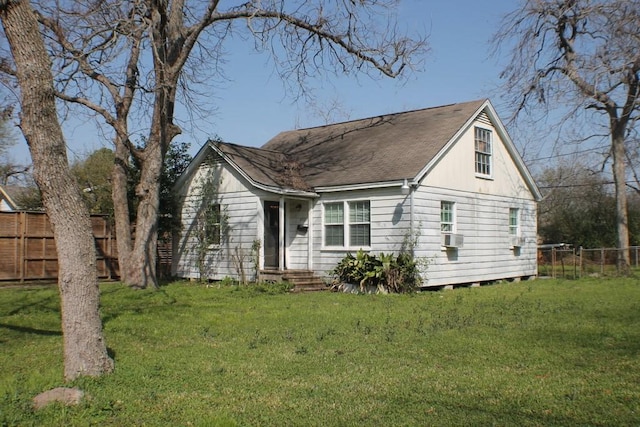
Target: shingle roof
x=377 y=149
x=271 y=168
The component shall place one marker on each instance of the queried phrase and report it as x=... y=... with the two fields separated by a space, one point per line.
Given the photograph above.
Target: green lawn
x=543 y=352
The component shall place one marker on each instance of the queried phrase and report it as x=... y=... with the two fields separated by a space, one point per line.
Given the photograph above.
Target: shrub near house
x=385 y=273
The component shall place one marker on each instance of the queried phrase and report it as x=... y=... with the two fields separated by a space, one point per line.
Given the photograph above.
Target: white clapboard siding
x=389 y=225
x=483 y=220
x=239 y=207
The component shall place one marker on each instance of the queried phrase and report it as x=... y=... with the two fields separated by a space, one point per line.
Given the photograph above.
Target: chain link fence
x=572 y=263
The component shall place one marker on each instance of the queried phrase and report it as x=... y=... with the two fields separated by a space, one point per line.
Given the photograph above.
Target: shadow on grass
x=122 y=300
x=507 y=413
x=603 y=342
x=28 y=330
x=47 y=304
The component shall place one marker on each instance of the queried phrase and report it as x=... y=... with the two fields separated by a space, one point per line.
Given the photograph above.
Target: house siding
x=456 y=169
x=240 y=208
x=389 y=225
x=483 y=220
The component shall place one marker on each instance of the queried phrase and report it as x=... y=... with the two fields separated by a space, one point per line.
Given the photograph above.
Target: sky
x=253 y=105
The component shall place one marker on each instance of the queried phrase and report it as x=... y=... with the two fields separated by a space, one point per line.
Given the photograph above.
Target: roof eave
x=268 y=188
x=365 y=186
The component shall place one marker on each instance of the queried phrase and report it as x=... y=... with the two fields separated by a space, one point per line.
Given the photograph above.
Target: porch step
x=302 y=280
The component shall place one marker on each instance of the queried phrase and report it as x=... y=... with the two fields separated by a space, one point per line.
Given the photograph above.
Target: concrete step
x=302 y=280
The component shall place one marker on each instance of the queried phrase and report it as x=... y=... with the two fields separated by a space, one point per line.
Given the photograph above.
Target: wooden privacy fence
x=572 y=263
x=28 y=250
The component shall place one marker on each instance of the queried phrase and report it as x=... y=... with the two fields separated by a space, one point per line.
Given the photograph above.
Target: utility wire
x=555 y=156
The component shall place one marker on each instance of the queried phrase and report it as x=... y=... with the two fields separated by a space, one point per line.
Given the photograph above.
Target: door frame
x=272 y=231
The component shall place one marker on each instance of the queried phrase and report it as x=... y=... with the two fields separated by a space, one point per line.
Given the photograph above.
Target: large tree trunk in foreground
x=85 y=351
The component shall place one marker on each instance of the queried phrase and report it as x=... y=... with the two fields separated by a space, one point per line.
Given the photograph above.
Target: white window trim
x=215 y=246
x=346 y=226
x=454 y=214
x=517 y=227
x=324 y=225
x=491 y=156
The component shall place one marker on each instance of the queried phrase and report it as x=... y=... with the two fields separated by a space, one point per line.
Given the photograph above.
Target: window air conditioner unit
x=517 y=241
x=451 y=240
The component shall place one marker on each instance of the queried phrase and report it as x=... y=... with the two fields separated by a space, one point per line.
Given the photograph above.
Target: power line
x=583 y=185
x=555 y=156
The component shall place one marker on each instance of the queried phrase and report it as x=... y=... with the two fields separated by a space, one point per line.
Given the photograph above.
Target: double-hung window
x=347 y=224
x=334 y=224
x=359 y=224
x=212 y=222
x=514 y=222
x=483 y=151
x=447 y=217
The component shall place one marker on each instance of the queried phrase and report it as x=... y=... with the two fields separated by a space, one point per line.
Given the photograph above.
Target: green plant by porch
x=385 y=272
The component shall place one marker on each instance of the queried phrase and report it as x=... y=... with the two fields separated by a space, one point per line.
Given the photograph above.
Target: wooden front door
x=271 y=234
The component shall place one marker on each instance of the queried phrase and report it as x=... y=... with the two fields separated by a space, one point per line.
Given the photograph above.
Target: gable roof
x=376 y=151
x=384 y=148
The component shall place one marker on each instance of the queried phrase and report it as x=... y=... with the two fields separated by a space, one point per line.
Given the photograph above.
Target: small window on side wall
x=212 y=228
x=514 y=222
x=447 y=217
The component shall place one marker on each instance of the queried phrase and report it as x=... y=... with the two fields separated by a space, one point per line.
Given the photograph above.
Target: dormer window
x=483 y=145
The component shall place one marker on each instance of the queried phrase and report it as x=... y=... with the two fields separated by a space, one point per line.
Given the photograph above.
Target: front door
x=271 y=234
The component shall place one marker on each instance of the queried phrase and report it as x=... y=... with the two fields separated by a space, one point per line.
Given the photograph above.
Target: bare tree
x=583 y=55
x=124 y=59
x=85 y=352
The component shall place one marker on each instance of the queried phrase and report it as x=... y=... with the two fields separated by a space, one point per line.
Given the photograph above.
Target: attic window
x=483 y=145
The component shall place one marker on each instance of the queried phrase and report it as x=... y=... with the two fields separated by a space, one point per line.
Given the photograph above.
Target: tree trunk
x=623 y=260
x=85 y=351
x=121 y=208
x=141 y=266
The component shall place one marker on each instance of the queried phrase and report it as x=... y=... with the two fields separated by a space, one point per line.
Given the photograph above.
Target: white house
x=447 y=182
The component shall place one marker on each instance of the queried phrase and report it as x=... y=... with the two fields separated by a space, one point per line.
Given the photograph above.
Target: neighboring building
x=448 y=179
x=9 y=196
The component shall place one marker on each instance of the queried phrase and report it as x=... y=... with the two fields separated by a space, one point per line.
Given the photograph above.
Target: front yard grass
x=543 y=352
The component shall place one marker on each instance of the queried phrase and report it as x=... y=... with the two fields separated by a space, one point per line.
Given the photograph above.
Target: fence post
x=581 y=264
x=23 y=246
x=602 y=261
x=553 y=263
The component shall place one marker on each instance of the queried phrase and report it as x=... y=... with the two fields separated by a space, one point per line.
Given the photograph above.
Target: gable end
x=483 y=118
